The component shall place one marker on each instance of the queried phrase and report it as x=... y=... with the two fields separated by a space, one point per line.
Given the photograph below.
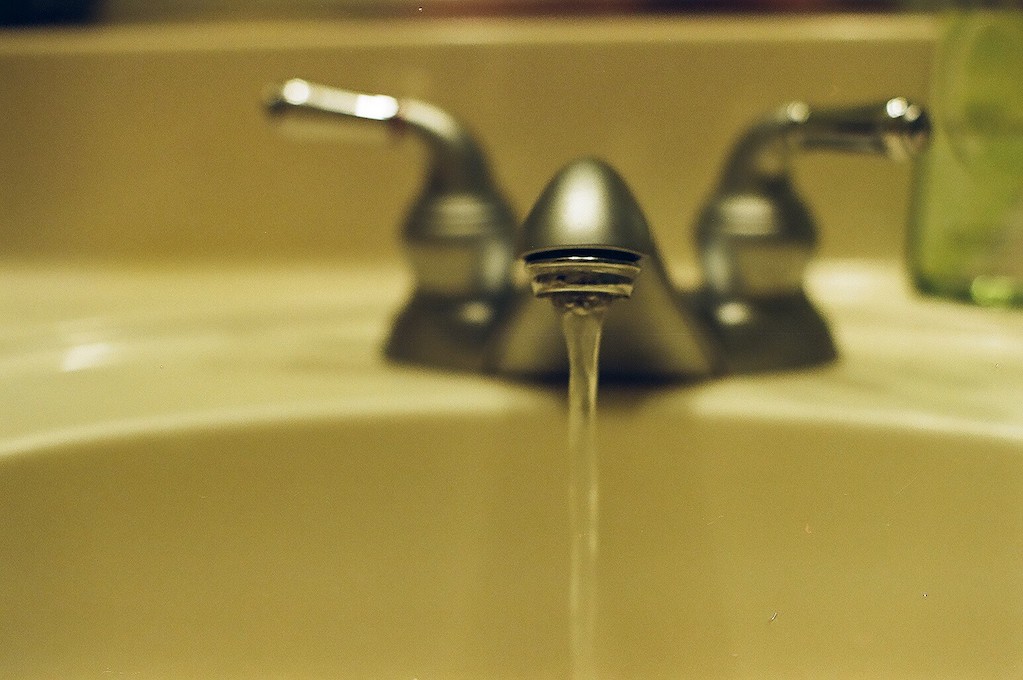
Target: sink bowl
x=238 y=504
x=437 y=547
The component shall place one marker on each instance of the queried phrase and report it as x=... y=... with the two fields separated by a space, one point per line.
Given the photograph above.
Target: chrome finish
x=587 y=237
x=586 y=207
x=756 y=236
x=459 y=232
x=586 y=243
x=582 y=275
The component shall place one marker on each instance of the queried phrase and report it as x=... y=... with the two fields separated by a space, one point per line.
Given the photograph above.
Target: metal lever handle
x=755 y=234
x=458 y=233
x=457 y=161
x=896 y=129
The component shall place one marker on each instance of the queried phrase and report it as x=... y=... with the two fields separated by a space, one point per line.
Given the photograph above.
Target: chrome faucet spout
x=587 y=241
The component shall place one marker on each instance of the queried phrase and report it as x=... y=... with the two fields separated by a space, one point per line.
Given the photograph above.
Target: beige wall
x=150 y=141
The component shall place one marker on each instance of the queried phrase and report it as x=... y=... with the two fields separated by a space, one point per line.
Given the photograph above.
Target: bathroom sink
x=403 y=546
x=213 y=477
x=208 y=470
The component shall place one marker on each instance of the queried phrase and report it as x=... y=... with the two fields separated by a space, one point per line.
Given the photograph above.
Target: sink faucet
x=587 y=234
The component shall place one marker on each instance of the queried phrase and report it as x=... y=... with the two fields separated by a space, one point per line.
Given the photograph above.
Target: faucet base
x=765 y=334
x=440 y=331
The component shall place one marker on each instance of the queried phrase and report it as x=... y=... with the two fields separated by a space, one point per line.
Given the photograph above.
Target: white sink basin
x=436 y=547
x=236 y=486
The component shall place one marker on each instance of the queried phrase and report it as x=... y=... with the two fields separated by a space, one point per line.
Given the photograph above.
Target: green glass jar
x=966 y=231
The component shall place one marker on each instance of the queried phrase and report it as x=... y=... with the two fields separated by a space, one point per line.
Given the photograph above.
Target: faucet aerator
x=566 y=275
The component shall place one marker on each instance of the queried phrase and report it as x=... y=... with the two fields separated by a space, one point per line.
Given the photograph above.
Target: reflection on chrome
x=303 y=94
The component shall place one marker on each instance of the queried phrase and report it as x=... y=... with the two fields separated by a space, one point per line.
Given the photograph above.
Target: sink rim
x=202 y=346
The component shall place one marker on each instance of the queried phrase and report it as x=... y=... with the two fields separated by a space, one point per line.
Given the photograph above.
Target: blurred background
x=43 y=12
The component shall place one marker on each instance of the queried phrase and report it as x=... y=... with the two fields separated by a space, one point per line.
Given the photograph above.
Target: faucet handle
x=755 y=236
x=457 y=160
x=459 y=231
x=897 y=129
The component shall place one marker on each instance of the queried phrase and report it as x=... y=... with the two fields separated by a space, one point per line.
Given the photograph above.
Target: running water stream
x=582 y=322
